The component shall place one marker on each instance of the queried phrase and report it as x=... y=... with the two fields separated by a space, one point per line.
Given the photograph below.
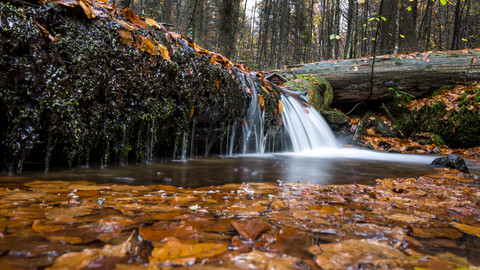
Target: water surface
x=326 y=166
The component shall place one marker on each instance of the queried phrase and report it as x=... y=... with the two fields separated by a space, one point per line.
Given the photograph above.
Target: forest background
x=270 y=34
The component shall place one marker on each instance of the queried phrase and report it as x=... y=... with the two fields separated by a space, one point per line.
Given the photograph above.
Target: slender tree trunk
x=196 y=21
x=456 y=26
x=227 y=28
x=350 y=22
x=167 y=16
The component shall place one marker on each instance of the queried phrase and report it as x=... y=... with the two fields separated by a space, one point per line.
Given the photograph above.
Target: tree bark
x=416 y=74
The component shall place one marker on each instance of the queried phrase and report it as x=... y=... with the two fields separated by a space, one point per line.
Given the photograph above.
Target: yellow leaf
x=473 y=230
x=145 y=44
x=174 y=249
x=164 y=52
x=152 y=23
x=87 y=9
x=261 y=101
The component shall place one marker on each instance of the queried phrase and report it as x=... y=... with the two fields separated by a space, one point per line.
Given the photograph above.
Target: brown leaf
x=182 y=232
x=353 y=253
x=45 y=32
x=125 y=37
x=250 y=230
x=87 y=9
x=175 y=252
x=88 y=257
x=437 y=232
x=60 y=214
x=134 y=18
x=145 y=44
x=474 y=60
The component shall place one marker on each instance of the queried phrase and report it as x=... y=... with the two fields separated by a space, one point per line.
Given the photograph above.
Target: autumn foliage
x=429 y=222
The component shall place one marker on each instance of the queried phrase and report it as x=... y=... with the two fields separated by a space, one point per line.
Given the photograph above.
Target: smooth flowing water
x=328 y=166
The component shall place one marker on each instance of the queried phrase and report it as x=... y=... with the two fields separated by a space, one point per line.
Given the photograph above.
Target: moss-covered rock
x=84 y=94
x=318 y=90
x=339 y=123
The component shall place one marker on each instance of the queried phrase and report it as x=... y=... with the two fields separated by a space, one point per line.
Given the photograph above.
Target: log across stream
x=414 y=73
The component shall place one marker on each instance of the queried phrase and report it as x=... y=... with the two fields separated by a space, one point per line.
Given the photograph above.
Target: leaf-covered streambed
x=428 y=222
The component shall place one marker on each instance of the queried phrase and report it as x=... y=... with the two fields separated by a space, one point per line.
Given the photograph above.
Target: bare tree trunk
x=350 y=22
x=196 y=21
x=228 y=23
x=167 y=16
x=456 y=26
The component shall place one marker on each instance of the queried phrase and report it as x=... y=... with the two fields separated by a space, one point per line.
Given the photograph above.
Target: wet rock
x=383 y=129
x=451 y=161
x=338 y=122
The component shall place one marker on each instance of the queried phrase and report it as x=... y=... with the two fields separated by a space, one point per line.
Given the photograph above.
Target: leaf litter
x=428 y=222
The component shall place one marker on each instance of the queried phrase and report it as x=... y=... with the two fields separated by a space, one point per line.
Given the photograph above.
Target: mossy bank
x=82 y=95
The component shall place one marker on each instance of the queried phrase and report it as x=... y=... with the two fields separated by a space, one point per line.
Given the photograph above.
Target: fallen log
x=414 y=73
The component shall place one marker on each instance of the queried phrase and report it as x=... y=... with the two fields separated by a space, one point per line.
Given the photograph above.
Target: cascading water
x=303 y=127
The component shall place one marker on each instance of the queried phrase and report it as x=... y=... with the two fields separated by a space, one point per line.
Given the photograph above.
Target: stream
x=328 y=166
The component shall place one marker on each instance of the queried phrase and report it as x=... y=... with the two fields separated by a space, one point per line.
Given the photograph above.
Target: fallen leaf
x=261 y=101
x=250 y=230
x=468 y=229
x=356 y=252
x=134 y=18
x=125 y=37
x=145 y=44
x=45 y=32
x=81 y=260
x=173 y=252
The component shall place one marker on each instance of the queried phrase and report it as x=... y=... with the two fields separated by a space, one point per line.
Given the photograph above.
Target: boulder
x=451 y=161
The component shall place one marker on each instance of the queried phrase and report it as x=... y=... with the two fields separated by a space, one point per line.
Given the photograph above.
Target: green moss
x=318 y=90
x=102 y=100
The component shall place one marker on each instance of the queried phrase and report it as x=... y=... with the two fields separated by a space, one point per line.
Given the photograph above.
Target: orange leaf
x=134 y=18
x=164 y=52
x=217 y=83
x=192 y=111
x=474 y=60
x=125 y=37
x=154 y=24
x=280 y=107
x=250 y=230
x=261 y=101
x=175 y=250
x=145 y=44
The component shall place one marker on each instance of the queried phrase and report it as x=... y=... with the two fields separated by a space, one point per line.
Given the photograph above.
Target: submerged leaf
x=250 y=230
x=175 y=252
x=473 y=230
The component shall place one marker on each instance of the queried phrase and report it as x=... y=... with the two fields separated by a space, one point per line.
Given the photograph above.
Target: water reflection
x=338 y=166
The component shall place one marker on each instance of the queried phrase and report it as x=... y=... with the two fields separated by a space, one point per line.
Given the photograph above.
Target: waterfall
x=305 y=127
x=302 y=127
